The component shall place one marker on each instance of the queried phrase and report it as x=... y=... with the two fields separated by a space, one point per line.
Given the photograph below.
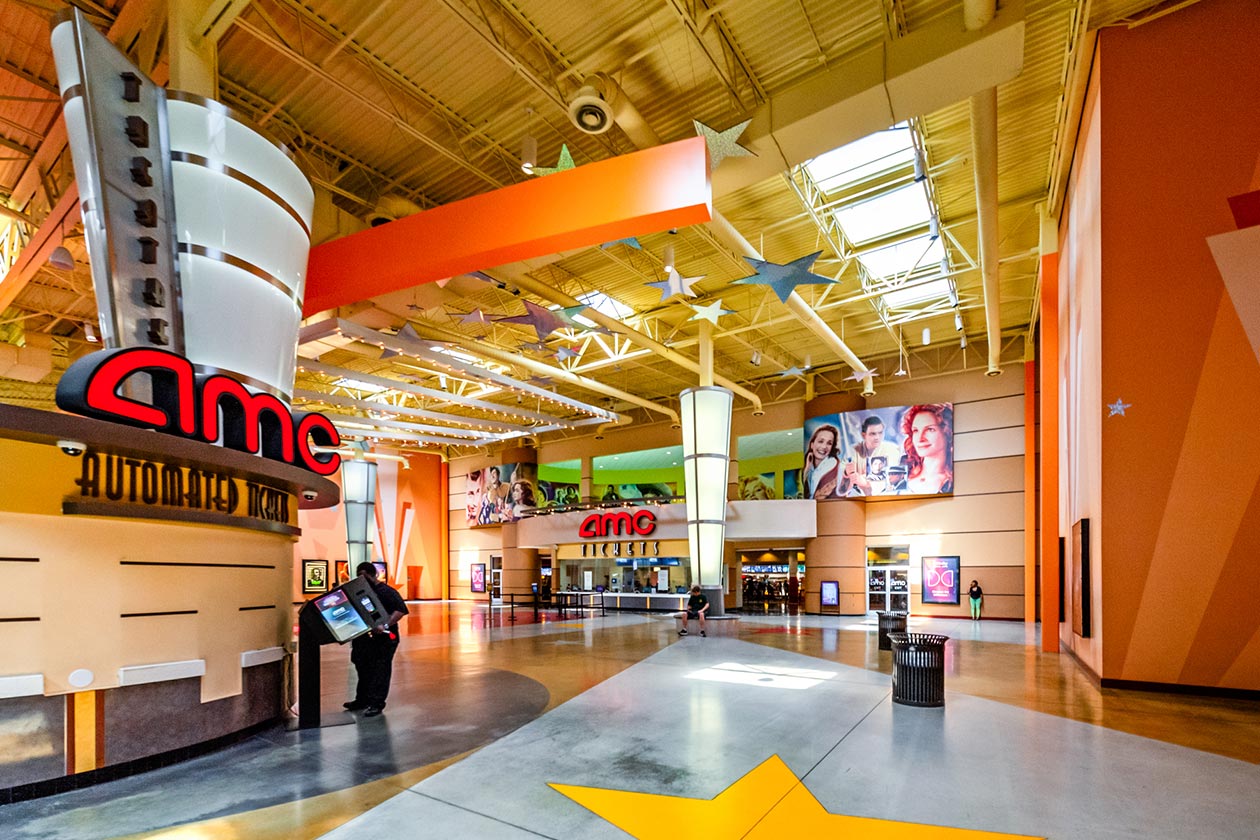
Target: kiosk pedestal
x=347 y=611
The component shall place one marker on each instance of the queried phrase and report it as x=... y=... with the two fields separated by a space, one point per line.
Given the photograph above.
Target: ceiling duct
x=389 y=208
x=589 y=111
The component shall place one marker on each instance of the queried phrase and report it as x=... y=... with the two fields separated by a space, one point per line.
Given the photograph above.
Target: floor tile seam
x=473 y=811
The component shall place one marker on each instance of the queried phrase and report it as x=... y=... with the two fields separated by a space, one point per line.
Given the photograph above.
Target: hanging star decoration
x=722 y=144
x=766 y=802
x=543 y=320
x=1118 y=407
x=565 y=353
x=534 y=346
x=859 y=375
x=792 y=371
x=565 y=162
x=629 y=242
x=675 y=284
x=784 y=278
x=474 y=317
x=709 y=313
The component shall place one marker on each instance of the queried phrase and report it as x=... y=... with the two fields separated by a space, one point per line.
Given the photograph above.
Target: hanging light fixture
x=927 y=336
x=529 y=145
x=668 y=256
x=61 y=258
x=89 y=332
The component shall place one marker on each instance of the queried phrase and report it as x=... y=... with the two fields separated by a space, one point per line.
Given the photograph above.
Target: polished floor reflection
x=487 y=713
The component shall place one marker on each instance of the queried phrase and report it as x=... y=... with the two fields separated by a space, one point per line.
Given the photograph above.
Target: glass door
x=496 y=580
x=888 y=579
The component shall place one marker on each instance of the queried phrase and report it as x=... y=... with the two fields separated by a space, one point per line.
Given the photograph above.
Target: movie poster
x=501 y=494
x=757 y=487
x=632 y=492
x=894 y=451
x=557 y=494
x=792 y=484
x=940 y=580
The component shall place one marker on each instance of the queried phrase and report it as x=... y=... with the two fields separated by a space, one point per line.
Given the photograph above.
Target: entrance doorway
x=888 y=579
x=496 y=580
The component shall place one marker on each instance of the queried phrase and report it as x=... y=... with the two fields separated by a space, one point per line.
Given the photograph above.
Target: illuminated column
x=358 y=490
x=243 y=214
x=706 y=428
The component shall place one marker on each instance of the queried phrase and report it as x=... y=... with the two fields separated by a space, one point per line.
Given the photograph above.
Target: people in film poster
x=892 y=451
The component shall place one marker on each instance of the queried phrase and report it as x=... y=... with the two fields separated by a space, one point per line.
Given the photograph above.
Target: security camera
x=72 y=447
x=310 y=495
x=589 y=112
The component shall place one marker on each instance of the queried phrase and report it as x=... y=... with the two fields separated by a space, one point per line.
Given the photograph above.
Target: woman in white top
x=929 y=431
x=822 y=466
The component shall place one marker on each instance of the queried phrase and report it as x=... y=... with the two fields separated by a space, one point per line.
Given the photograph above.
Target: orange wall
x=415 y=539
x=1180 y=134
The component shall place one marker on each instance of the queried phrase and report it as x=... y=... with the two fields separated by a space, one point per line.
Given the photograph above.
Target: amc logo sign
x=215 y=409
x=618 y=523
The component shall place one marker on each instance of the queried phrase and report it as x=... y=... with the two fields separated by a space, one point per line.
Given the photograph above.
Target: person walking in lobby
x=373 y=652
x=697 y=606
x=975 y=594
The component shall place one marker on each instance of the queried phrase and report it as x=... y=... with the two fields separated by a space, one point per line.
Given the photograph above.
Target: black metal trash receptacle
x=918 y=669
x=890 y=622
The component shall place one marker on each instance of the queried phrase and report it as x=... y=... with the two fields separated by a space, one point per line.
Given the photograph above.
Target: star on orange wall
x=768 y=802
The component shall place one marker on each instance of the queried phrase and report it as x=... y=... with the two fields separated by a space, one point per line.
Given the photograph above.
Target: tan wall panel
x=996 y=475
x=842 y=516
x=963 y=389
x=989 y=414
x=993 y=443
x=963 y=514
x=81 y=590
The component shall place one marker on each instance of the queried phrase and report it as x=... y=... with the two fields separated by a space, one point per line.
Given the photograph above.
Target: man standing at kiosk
x=373 y=652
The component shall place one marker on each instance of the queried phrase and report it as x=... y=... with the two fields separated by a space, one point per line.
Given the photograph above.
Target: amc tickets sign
x=211 y=408
x=604 y=524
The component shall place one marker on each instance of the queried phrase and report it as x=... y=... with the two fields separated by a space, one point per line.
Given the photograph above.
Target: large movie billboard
x=894 y=451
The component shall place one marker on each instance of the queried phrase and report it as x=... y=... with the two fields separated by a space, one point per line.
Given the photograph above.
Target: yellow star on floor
x=768 y=803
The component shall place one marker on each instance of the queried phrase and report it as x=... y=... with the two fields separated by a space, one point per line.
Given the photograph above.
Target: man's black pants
x=373 y=658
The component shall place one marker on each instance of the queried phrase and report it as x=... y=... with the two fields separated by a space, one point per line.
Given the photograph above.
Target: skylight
x=602 y=303
x=458 y=354
x=896 y=298
x=893 y=211
x=863 y=158
x=900 y=258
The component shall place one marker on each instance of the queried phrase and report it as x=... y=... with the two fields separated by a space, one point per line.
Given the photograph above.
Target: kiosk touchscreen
x=343 y=621
x=350 y=610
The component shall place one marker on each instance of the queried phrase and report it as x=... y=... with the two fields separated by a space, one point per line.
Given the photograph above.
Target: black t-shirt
x=390 y=600
x=975 y=592
x=696 y=603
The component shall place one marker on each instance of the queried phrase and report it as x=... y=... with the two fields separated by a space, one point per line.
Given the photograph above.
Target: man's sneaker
x=373 y=711
x=682 y=632
x=702 y=633
x=354 y=705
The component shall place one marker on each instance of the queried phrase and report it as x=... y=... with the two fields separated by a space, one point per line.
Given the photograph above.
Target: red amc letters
x=214 y=409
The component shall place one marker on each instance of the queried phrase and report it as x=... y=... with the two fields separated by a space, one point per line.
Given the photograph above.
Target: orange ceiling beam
x=631 y=195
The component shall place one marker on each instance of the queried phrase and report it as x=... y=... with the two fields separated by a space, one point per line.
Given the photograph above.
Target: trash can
x=890 y=622
x=918 y=669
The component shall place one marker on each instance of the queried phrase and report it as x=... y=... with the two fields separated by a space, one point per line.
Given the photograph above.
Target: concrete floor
x=540 y=730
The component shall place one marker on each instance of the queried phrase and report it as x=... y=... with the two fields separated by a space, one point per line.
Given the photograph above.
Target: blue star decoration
x=785 y=278
x=722 y=144
x=536 y=346
x=1118 y=407
x=629 y=242
x=792 y=371
x=565 y=353
x=543 y=320
x=565 y=162
x=675 y=284
x=474 y=317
